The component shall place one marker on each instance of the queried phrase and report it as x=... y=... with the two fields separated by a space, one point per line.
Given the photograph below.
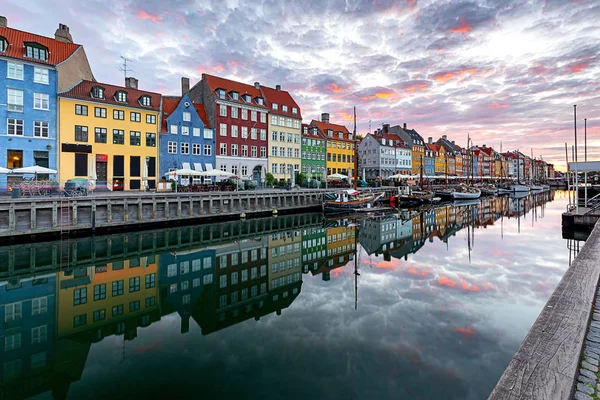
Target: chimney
x=62 y=34
x=278 y=87
x=3 y=22
x=185 y=85
x=484 y=146
x=386 y=128
x=445 y=137
x=453 y=142
x=131 y=83
x=257 y=85
x=325 y=118
x=405 y=125
x=430 y=140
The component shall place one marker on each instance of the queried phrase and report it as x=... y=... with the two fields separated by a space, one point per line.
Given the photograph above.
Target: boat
x=464 y=192
x=408 y=197
x=517 y=187
x=462 y=203
x=349 y=199
x=504 y=189
x=545 y=186
x=445 y=194
x=487 y=189
x=536 y=187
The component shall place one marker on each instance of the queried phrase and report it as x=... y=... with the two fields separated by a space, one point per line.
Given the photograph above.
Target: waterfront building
x=33 y=69
x=184 y=276
x=27 y=328
x=488 y=161
x=382 y=154
x=186 y=140
x=109 y=134
x=314 y=150
x=314 y=248
x=454 y=154
x=429 y=162
x=415 y=142
x=439 y=154
x=550 y=171
x=108 y=299
x=284 y=133
x=382 y=235
x=238 y=114
x=285 y=259
x=340 y=146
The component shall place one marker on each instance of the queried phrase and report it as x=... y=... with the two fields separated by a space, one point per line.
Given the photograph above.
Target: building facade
x=284 y=133
x=340 y=146
x=109 y=134
x=33 y=69
x=238 y=115
x=416 y=144
x=186 y=140
x=314 y=151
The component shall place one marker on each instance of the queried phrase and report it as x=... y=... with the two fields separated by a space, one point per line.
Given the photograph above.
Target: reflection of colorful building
x=314 y=248
x=285 y=258
x=28 y=328
x=104 y=297
x=341 y=243
x=183 y=277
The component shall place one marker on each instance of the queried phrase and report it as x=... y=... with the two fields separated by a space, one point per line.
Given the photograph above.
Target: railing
x=593 y=204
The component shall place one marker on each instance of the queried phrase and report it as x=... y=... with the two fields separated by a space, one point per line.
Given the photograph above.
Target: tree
x=301 y=180
x=270 y=179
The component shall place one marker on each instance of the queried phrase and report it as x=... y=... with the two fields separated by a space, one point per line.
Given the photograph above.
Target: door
x=101 y=172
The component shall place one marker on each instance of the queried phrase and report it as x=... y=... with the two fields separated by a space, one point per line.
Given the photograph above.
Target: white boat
x=536 y=188
x=546 y=187
x=349 y=199
x=519 y=188
x=464 y=192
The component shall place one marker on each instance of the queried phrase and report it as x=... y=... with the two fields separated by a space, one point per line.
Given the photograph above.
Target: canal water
x=423 y=304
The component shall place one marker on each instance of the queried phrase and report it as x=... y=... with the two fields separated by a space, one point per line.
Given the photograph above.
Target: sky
x=505 y=72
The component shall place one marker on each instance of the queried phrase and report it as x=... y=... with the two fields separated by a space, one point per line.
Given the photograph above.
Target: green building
x=314 y=248
x=313 y=153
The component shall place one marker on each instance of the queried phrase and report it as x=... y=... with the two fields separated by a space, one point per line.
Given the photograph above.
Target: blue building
x=33 y=69
x=27 y=326
x=186 y=140
x=428 y=162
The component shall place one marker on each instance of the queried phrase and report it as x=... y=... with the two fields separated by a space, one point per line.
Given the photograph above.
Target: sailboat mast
x=356 y=268
x=355 y=153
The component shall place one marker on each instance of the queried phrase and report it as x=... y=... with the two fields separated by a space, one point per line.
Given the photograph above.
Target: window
x=99 y=315
x=273 y=119
x=196 y=149
x=282 y=152
x=40 y=129
x=223 y=129
x=185 y=148
x=117 y=288
x=234 y=95
x=121 y=96
x=119 y=114
x=173 y=129
x=15 y=126
x=151 y=301
x=79 y=296
x=263 y=134
x=100 y=292
x=263 y=117
x=224 y=169
x=253 y=133
x=98 y=92
x=135 y=116
x=234 y=112
x=221 y=93
x=281 y=136
x=12 y=312
x=274 y=168
x=282 y=169
x=222 y=110
x=297 y=153
x=151 y=119
x=207 y=150
x=234 y=150
x=15 y=100
x=117 y=310
x=282 y=121
x=253 y=116
x=234 y=170
x=15 y=71
x=290 y=137
x=244 y=150
x=294 y=110
x=39 y=306
x=100 y=135
x=297 y=138
x=100 y=112
x=40 y=75
x=254 y=152
x=244 y=114
x=274 y=151
x=223 y=149
x=118 y=136
x=196 y=131
x=275 y=106
x=135 y=138
x=244 y=170
x=81 y=133
x=150 y=281
x=284 y=108
x=134 y=306
x=185 y=130
x=244 y=132
x=150 y=139
x=79 y=109
x=12 y=342
x=37 y=51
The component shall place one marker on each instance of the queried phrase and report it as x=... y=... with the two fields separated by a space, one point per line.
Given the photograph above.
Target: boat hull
x=466 y=196
x=520 y=188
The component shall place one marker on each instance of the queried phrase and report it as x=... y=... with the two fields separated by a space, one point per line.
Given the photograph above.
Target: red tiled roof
x=57 y=51
x=310 y=132
x=281 y=98
x=433 y=147
x=487 y=150
x=215 y=82
x=202 y=114
x=170 y=103
x=84 y=88
x=324 y=127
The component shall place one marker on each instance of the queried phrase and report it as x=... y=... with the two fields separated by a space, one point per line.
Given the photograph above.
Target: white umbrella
x=185 y=172
x=92 y=176
x=34 y=169
x=217 y=172
x=144 y=174
x=4 y=170
x=337 y=177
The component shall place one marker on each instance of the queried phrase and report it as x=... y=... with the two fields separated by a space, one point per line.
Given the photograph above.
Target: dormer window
x=294 y=110
x=341 y=135
x=305 y=130
x=234 y=95
x=275 y=106
x=247 y=98
x=259 y=101
x=315 y=132
x=3 y=44
x=221 y=93
x=146 y=101
x=98 y=92
x=284 y=108
x=121 y=96
x=329 y=133
x=36 y=51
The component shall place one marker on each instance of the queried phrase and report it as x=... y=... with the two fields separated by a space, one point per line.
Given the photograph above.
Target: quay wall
x=546 y=364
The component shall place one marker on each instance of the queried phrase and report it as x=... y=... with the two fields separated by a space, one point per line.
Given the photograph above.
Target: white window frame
x=207 y=150
x=173 y=130
x=43 y=127
x=41 y=75
x=222 y=110
x=234 y=112
x=223 y=129
x=187 y=116
x=16 y=96
x=184 y=148
x=18 y=70
x=40 y=100
x=172 y=147
x=185 y=130
x=223 y=149
x=208 y=133
x=245 y=114
x=196 y=149
x=196 y=131
x=263 y=117
x=253 y=116
x=234 y=131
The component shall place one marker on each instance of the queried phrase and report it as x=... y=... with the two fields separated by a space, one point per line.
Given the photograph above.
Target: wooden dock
x=547 y=363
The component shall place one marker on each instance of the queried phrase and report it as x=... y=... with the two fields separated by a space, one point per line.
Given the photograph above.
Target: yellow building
x=340 y=146
x=109 y=134
x=285 y=133
x=103 y=295
x=285 y=259
x=341 y=243
x=440 y=158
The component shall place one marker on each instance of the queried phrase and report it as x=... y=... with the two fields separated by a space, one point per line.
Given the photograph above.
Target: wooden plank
x=546 y=364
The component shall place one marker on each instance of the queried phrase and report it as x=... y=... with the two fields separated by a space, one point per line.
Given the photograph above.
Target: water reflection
x=115 y=301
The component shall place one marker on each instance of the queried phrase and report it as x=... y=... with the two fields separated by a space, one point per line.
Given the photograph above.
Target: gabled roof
x=325 y=126
x=83 y=91
x=414 y=134
x=215 y=82
x=487 y=150
x=396 y=141
x=170 y=103
x=281 y=98
x=57 y=51
x=433 y=147
x=310 y=134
